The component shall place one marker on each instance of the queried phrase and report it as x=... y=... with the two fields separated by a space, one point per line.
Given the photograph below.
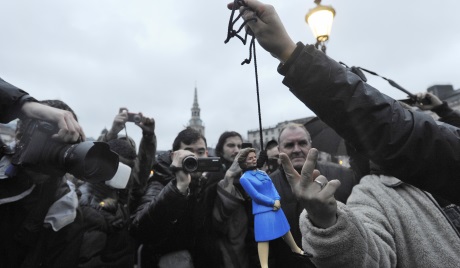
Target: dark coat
x=11 y=100
x=167 y=220
x=106 y=241
x=409 y=145
x=26 y=241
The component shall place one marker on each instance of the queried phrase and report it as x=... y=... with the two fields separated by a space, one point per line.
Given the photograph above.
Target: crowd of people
x=396 y=207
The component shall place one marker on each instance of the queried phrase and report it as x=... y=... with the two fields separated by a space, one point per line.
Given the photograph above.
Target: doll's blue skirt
x=270 y=225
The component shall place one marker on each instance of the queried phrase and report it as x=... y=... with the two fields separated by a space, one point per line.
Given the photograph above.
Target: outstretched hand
x=268 y=28
x=318 y=200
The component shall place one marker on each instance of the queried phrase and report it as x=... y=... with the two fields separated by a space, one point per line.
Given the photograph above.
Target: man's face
x=231 y=148
x=296 y=144
x=199 y=149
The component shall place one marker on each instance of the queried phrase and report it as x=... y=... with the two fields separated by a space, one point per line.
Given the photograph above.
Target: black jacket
x=11 y=101
x=167 y=220
x=26 y=241
x=410 y=145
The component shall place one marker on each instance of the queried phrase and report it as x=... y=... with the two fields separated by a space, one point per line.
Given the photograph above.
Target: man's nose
x=296 y=148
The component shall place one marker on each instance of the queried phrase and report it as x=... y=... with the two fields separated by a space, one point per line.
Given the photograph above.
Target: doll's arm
x=254 y=194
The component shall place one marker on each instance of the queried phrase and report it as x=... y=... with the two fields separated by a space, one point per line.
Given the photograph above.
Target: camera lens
x=190 y=163
x=137 y=118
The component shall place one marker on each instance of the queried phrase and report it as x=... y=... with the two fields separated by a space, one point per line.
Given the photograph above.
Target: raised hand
x=268 y=28
x=147 y=125
x=314 y=192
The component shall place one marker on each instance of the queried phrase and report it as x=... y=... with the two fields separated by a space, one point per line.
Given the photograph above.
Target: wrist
x=287 y=52
x=110 y=135
x=183 y=188
x=323 y=223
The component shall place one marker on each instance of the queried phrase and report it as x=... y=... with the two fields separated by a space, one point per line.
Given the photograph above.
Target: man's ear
x=207 y=155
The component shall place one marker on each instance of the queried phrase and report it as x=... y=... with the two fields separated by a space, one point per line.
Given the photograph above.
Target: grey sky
x=98 y=56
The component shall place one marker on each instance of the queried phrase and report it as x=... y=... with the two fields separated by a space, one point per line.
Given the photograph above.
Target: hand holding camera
x=131 y=117
x=183 y=178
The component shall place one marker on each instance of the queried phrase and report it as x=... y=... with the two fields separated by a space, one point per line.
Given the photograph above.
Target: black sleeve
x=11 y=101
x=411 y=146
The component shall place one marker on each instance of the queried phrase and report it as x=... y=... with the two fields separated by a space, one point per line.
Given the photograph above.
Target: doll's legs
x=262 y=248
x=291 y=243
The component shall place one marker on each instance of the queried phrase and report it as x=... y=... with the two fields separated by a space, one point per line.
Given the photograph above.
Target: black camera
x=88 y=161
x=191 y=164
x=133 y=117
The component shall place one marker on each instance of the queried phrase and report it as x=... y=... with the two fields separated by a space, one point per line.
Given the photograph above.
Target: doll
x=269 y=219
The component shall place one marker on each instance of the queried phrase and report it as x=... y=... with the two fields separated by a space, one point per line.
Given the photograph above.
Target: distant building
x=195 y=122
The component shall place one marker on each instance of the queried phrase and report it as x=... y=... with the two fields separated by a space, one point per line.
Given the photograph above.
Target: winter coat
x=26 y=239
x=11 y=101
x=167 y=220
x=106 y=210
x=410 y=145
x=386 y=223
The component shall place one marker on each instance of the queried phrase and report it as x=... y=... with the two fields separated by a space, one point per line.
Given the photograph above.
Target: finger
x=315 y=174
x=309 y=167
x=291 y=174
x=331 y=187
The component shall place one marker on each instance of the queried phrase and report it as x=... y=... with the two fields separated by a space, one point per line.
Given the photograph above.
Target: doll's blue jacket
x=261 y=189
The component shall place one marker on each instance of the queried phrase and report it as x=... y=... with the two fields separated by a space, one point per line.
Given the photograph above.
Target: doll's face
x=251 y=160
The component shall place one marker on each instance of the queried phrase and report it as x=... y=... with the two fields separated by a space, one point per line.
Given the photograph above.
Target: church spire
x=195 y=122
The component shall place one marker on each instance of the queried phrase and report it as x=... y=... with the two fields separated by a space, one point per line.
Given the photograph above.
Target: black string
x=252 y=50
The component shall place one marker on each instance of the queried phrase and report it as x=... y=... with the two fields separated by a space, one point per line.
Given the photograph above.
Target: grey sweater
x=386 y=223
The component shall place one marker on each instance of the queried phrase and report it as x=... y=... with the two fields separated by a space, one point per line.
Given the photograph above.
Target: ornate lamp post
x=320 y=20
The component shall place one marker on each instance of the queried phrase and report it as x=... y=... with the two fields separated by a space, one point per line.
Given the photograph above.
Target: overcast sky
x=100 y=55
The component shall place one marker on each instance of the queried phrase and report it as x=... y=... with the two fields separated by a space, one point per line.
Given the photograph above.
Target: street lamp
x=320 y=20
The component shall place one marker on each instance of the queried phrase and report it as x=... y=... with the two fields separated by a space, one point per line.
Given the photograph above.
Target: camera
x=133 y=117
x=191 y=164
x=88 y=161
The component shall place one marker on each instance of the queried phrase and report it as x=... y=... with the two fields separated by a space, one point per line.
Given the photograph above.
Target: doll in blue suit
x=269 y=219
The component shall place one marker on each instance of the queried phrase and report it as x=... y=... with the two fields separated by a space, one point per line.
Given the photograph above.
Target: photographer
x=16 y=103
x=141 y=165
x=39 y=217
x=174 y=219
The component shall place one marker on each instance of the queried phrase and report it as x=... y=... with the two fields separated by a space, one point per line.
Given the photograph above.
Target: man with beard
x=228 y=146
x=174 y=218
